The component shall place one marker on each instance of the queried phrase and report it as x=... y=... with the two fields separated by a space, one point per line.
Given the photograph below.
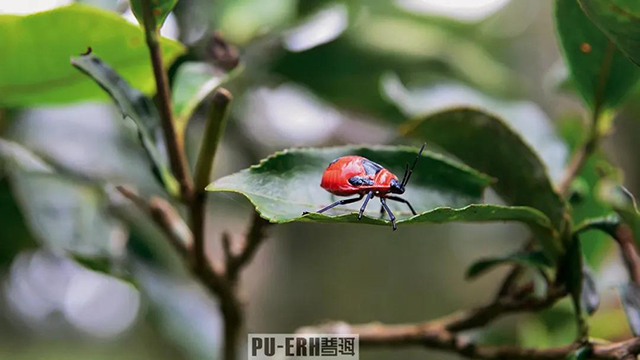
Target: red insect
x=356 y=175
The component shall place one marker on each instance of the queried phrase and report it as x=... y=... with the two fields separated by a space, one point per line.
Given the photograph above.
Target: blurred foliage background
x=316 y=73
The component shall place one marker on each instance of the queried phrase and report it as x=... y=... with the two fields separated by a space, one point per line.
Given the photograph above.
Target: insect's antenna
x=406 y=172
x=407 y=176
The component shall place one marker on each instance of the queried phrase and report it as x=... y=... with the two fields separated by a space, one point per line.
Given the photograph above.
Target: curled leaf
x=536 y=259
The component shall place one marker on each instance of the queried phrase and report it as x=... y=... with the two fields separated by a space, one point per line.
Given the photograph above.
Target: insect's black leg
x=364 y=205
x=397 y=198
x=381 y=212
x=339 y=202
x=393 y=218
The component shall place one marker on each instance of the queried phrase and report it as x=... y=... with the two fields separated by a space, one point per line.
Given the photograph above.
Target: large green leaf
x=620 y=20
x=602 y=74
x=486 y=143
x=284 y=185
x=160 y=9
x=37 y=71
x=135 y=106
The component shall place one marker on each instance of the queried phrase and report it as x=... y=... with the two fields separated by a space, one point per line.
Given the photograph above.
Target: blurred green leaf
x=589 y=294
x=602 y=74
x=525 y=117
x=159 y=8
x=16 y=236
x=63 y=215
x=15 y=155
x=15 y=231
x=193 y=82
x=181 y=309
x=624 y=204
x=630 y=298
x=486 y=143
x=284 y=185
x=580 y=354
x=38 y=71
x=244 y=20
x=535 y=259
x=370 y=48
x=60 y=214
x=595 y=244
x=137 y=107
x=619 y=20
x=570 y=273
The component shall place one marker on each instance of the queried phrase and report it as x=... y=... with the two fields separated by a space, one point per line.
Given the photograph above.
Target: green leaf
x=159 y=8
x=137 y=107
x=486 y=143
x=580 y=354
x=194 y=81
x=536 y=259
x=602 y=74
x=55 y=212
x=586 y=207
x=630 y=298
x=624 y=204
x=64 y=215
x=16 y=236
x=370 y=48
x=589 y=296
x=14 y=155
x=38 y=71
x=570 y=273
x=286 y=184
x=526 y=118
x=619 y=20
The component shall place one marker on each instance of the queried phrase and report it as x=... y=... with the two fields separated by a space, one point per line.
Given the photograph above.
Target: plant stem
x=177 y=157
x=212 y=133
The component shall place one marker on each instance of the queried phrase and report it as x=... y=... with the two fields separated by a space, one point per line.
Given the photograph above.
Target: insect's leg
x=397 y=198
x=364 y=205
x=393 y=218
x=339 y=202
x=381 y=212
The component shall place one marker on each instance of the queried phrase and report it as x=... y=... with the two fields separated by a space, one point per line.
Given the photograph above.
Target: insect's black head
x=396 y=187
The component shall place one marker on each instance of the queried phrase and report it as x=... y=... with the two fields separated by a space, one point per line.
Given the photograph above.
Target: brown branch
x=213 y=130
x=177 y=157
x=254 y=238
x=165 y=216
x=435 y=336
x=624 y=237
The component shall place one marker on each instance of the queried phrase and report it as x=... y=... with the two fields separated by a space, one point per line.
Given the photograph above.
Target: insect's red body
x=356 y=175
x=371 y=177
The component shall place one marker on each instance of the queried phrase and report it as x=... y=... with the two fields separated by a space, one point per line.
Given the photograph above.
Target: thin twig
x=177 y=157
x=213 y=130
x=254 y=238
x=165 y=216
